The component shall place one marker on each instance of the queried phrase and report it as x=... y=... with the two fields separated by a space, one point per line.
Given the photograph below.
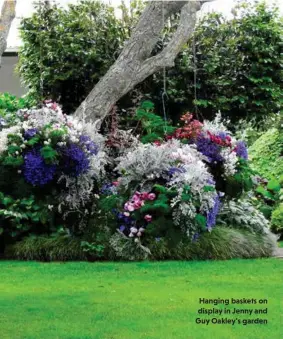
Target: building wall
x=9 y=81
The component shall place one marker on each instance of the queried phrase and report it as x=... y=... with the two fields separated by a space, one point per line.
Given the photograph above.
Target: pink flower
x=136 y=198
x=126 y=214
x=137 y=204
x=144 y=196
x=151 y=196
x=148 y=218
x=115 y=183
x=129 y=207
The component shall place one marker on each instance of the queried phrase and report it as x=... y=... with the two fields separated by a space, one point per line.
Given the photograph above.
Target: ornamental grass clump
x=56 y=159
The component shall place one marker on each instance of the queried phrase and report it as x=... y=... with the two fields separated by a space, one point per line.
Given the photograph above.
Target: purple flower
x=30 y=133
x=209 y=149
x=222 y=135
x=212 y=214
x=174 y=170
x=122 y=228
x=108 y=189
x=36 y=171
x=75 y=160
x=241 y=150
x=89 y=144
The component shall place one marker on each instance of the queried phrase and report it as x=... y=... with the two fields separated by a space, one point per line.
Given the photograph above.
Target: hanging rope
x=164 y=93
x=197 y=111
x=41 y=81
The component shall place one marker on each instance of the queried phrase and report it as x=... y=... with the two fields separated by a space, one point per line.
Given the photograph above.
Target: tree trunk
x=135 y=62
x=8 y=13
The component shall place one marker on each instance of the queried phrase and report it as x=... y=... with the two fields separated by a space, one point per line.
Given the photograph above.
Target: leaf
x=49 y=154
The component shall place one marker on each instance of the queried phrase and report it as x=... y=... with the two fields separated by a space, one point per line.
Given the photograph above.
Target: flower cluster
x=175 y=189
x=214 y=141
x=52 y=150
x=191 y=128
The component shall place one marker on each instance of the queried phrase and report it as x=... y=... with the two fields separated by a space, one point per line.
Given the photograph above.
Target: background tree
x=66 y=51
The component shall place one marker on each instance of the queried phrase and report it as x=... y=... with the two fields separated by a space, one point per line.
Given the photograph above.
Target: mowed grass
x=135 y=300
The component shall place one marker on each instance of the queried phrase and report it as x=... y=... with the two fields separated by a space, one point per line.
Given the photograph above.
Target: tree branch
x=135 y=63
x=8 y=13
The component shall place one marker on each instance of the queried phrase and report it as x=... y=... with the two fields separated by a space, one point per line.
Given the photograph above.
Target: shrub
x=267 y=150
x=277 y=219
x=238 y=66
x=66 y=51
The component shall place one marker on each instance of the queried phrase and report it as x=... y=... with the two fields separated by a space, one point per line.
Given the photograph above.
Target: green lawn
x=134 y=300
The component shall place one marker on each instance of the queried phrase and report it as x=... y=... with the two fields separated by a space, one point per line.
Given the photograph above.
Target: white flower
x=4 y=137
x=230 y=161
x=133 y=230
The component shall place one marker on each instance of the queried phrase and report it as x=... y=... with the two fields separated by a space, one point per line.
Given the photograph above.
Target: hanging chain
x=164 y=93
x=41 y=83
x=197 y=111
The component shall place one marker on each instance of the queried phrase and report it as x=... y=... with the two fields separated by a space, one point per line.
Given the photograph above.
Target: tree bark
x=8 y=13
x=135 y=62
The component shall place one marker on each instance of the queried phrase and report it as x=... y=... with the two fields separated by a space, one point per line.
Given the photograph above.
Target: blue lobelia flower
x=241 y=150
x=212 y=214
x=209 y=149
x=89 y=144
x=75 y=160
x=30 y=133
x=36 y=171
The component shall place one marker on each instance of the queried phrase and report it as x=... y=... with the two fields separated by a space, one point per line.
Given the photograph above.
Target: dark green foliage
x=20 y=216
x=240 y=182
x=49 y=154
x=238 y=66
x=240 y=63
x=68 y=50
x=153 y=126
